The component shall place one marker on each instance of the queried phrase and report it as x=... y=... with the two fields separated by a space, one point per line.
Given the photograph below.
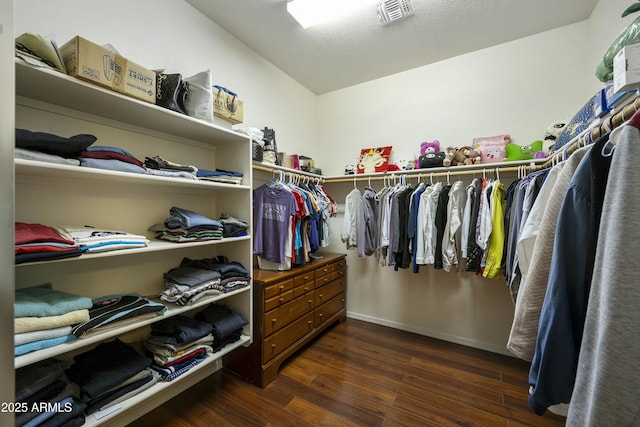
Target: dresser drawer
x=327 y=310
x=302 y=289
x=277 y=289
x=287 y=313
x=304 y=278
x=271 y=303
x=281 y=340
x=329 y=277
x=328 y=291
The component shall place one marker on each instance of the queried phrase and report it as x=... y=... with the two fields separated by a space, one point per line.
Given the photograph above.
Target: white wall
x=518 y=88
x=7 y=133
x=173 y=35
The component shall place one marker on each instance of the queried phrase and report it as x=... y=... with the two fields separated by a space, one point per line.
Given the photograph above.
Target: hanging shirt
x=352 y=212
x=492 y=268
x=451 y=241
x=426 y=231
x=607 y=380
x=273 y=206
x=555 y=361
x=524 y=329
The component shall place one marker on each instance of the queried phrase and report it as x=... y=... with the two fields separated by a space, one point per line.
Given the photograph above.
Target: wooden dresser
x=289 y=309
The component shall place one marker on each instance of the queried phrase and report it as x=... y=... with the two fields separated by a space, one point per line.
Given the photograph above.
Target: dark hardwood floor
x=361 y=374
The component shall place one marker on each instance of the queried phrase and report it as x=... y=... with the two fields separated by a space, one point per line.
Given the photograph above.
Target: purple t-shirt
x=273 y=207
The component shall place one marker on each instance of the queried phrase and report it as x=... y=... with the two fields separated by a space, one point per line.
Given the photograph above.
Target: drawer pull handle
x=308 y=322
x=320 y=315
x=273 y=346
x=274 y=320
x=342 y=299
x=281 y=299
x=325 y=270
x=281 y=287
x=306 y=277
x=320 y=296
x=310 y=301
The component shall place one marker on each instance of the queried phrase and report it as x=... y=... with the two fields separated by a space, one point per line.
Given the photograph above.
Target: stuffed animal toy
x=552 y=133
x=516 y=152
x=461 y=156
x=430 y=147
x=452 y=157
x=472 y=156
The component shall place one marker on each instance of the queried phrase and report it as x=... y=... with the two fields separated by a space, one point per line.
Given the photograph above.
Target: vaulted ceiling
x=355 y=49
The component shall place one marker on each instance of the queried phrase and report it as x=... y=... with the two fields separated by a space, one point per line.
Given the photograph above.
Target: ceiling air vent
x=393 y=10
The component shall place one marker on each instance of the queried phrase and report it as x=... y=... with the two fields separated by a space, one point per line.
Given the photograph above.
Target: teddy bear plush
x=430 y=147
x=472 y=156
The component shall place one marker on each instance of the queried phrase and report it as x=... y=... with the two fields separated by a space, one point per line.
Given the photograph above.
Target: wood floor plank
x=361 y=374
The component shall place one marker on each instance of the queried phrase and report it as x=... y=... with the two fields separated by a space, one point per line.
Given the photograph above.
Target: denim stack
x=44 y=399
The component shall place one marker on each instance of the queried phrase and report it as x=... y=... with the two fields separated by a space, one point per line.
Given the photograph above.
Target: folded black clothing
x=34 y=378
x=231 y=338
x=53 y=144
x=24 y=417
x=187 y=276
x=230 y=230
x=46 y=393
x=222 y=266
x=95 y=404
x=157 y=162
x=61 y=418
x=224 y=320
x=181 y=329
x=105 y=366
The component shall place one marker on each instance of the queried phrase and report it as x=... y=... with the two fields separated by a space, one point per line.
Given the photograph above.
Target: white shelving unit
x=53 y=194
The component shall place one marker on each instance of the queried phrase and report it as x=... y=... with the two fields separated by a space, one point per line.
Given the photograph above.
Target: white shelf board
x=61 y=89
x=55 y=170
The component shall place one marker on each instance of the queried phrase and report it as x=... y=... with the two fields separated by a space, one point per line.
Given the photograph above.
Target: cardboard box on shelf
x=96 y=64
x=626 y=68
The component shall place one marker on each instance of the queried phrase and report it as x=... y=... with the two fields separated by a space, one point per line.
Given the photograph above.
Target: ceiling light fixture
x=312 y=12
x=392 y=10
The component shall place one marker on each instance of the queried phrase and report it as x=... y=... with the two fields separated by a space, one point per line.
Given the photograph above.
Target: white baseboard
x=431 y=333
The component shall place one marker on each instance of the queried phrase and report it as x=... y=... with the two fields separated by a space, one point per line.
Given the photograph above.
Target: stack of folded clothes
x=46 y=147
x=194 y=280
x=177 y=344
x=187 y=226
x=45 y=396
x=157 y=165
x=44 y=317
x=115 y=310
x=37 y=242
x=219 y=175
x=93 y=239
x=233 y=227
x=111 y=158
x=110 y=373
x=227 y=324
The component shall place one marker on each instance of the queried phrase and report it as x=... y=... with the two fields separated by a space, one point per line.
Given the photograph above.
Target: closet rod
x=610 y=123
x=423 y=173
x=279 y=169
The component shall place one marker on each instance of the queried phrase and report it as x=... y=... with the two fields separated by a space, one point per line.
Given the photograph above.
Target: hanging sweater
x=607 y=380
